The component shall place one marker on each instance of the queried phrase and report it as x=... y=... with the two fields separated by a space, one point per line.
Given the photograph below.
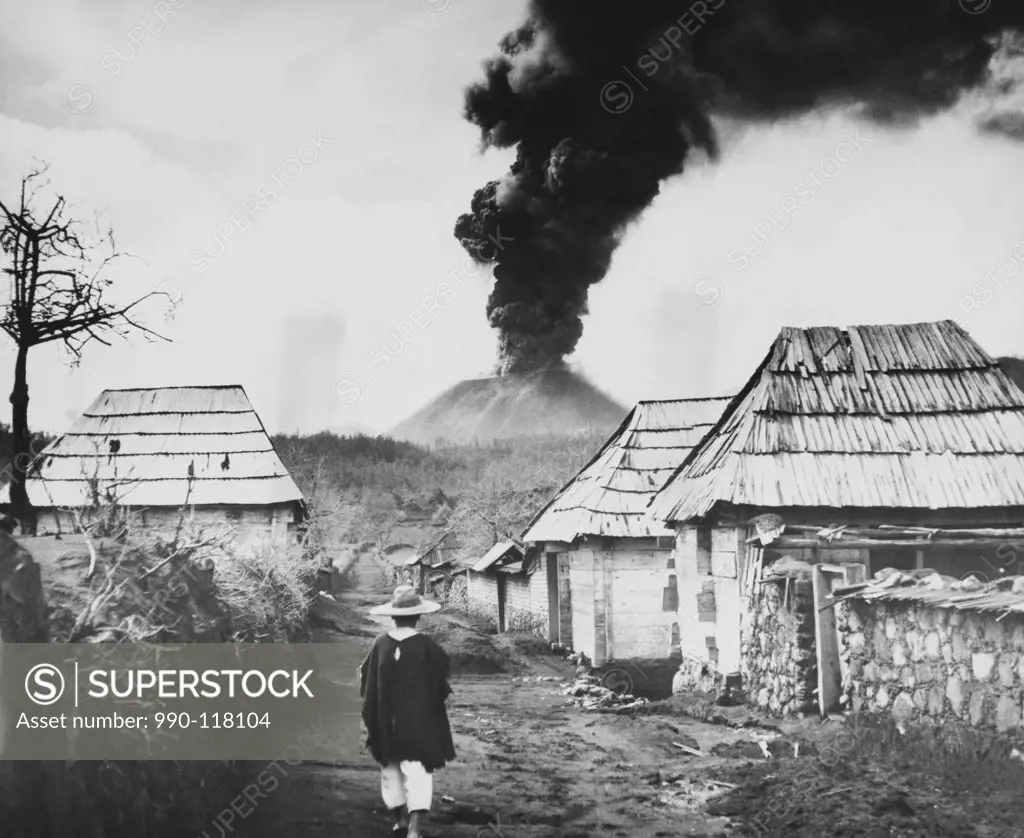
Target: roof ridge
x=686 y=400
x=128 y=478
x=166 y=413
x=174 y=387
x=849 y=326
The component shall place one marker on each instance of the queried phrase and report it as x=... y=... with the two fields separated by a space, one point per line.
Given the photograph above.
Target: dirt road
x=530 y=766
x=527 y=765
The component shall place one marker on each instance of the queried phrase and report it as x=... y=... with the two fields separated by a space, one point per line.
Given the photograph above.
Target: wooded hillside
x=362 y=489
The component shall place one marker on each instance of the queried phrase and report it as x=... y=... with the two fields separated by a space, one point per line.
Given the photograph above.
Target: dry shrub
x=181 y=590
x=140 y=590
x=267 y=595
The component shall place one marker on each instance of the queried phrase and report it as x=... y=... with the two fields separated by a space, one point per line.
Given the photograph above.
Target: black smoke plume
x=605 y=100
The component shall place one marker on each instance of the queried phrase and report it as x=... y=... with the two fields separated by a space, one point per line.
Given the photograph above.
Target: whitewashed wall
x=721 y=577
x=582 y=580
x=640 y=626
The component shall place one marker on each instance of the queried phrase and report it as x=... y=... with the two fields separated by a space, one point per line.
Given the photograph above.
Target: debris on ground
x=589 y=693
x=536 y=679
x=706 y=709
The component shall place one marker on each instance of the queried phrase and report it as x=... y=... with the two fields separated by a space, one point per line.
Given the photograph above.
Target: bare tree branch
x=57 y=291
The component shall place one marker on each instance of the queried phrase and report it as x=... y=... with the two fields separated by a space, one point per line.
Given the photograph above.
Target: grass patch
x=967 y=758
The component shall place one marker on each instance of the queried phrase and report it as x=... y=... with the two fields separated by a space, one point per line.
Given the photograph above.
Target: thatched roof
x=610 y=494
x=913 y=416
x=141 y=445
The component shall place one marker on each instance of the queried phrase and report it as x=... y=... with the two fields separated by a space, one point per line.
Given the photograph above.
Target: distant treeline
x=424 y=480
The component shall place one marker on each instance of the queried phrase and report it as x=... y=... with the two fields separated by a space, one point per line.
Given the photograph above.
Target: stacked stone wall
x=922 y=663
x=779 y=663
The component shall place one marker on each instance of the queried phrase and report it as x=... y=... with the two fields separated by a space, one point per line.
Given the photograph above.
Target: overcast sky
x=331 y=132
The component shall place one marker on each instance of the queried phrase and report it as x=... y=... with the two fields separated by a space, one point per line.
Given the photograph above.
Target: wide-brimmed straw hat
x=405 y=602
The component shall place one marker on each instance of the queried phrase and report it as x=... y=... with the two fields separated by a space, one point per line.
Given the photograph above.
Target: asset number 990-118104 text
x=212 y=721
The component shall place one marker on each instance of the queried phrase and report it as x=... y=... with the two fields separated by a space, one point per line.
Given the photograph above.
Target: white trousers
x=406 y=784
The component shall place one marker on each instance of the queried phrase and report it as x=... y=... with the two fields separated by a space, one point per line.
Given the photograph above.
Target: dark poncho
x=404 y=701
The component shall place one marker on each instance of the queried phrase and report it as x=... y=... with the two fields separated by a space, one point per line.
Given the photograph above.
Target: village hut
x=438 y=555
x=155 y=452
x=848 y=451
x=506 y=587
x=611 y=580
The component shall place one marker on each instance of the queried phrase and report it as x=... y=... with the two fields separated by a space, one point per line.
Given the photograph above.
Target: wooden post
x=564 y=602
x=826 y=641
x=501 y=586
x=608 y=565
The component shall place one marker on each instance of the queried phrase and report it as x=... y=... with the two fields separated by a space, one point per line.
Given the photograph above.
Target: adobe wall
x=482 y=596
x=526 y=602
x=255 y=528
x=522 y=611
x=923 y=663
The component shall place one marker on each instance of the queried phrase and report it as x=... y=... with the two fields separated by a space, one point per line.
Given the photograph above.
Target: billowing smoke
x=605 y=100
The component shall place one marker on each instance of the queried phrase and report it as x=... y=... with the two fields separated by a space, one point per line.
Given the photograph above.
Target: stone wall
x=779 y=663
x=924 y=663
x=457 y=596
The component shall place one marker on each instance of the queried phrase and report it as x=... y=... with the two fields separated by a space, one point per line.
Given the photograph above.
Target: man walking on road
x=404 y=684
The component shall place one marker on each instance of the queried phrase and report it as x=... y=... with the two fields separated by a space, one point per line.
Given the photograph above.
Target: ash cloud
x=587 y=165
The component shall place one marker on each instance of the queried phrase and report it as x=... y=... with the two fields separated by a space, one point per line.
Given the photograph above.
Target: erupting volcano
x=553 y=402
x=604 y=101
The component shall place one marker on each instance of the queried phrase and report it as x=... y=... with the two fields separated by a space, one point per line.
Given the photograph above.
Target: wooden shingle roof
x=906 y=416
x=142 y=446
x=610 y=494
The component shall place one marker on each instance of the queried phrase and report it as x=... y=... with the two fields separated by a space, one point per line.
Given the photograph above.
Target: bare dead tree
x=57 y=286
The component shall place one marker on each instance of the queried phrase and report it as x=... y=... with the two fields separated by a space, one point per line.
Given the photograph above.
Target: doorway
x=502 y=584
x=826 y=578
